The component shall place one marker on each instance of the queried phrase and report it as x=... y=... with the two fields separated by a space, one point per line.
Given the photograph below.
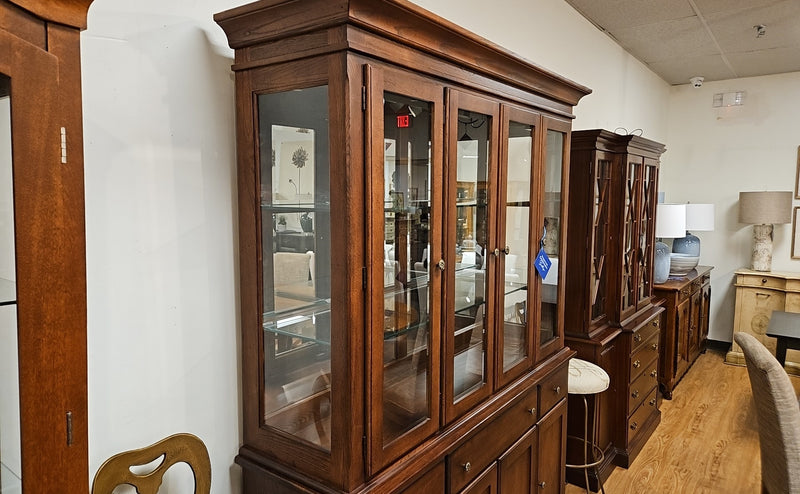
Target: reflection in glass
x=10 y=455
x=295 y=240
x=629 y=244
x=517 y=217
x=406 y=331
x=551 y=234
x=601 y=215
x=471 y=231
x=649 y=198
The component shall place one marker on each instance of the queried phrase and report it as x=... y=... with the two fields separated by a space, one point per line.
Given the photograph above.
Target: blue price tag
x=542 y=263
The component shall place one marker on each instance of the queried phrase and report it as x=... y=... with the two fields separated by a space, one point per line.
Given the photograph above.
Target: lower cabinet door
x=517 y=466
x=486 y=483
x=552 y=451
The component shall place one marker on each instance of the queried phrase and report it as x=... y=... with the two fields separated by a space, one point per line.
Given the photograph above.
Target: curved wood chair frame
x=177 y=448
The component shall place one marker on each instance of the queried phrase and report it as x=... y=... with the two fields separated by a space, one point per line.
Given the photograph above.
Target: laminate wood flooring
x=707 y=441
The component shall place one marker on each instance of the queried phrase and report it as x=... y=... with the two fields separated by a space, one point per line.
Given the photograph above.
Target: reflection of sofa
x=294 y=278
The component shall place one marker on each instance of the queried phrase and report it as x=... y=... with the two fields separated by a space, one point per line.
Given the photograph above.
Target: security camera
x=696 y=81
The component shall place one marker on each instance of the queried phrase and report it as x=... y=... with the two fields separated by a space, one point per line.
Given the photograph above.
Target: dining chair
x=174 y=449
x=778 y=416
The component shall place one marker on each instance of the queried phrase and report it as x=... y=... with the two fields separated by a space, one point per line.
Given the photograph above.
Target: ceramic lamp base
x=762 y=248
x=689 y=245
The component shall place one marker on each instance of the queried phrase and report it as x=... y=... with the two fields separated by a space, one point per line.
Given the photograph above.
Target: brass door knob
x=441 y=265
x=532 y=411
x=542 y=484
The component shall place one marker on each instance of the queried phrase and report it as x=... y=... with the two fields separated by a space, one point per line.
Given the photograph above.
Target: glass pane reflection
x=406 y=328
x=471 y=229
x=517 y=216
x=10 y=455
x=295 y=239
x=551 y=237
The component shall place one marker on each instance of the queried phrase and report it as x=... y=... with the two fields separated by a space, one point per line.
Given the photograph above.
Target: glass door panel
x=10 y=453
x=629 y=241
x=296 y=256
x=551 y=240
x=516 y=217
x=407 y=291
x=649 y=198
x=600 y=218
x=473 y=128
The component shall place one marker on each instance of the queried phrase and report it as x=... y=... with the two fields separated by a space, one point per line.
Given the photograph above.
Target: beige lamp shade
x=700 y=217
x=765 y=208
x=670 y=220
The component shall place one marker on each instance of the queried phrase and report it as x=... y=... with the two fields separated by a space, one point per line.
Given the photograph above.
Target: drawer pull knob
x=653 y=373
x=637 y=364
x=634 y=426
x=542 y=484
x=652 y=402
x=637 y=338
x=556 y=389
x=635 y=394
x=467 y=466
x=763 y=280
x=655 y=323
x=654 y=346
x=532 y=411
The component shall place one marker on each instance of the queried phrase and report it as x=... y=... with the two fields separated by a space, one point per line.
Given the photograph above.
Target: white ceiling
x=715 y=39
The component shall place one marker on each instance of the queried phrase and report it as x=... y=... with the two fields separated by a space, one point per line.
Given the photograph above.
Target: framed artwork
x=795 y=233
x=797 y=179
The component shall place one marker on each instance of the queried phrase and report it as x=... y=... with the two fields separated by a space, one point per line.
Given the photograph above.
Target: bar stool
x=586 y=378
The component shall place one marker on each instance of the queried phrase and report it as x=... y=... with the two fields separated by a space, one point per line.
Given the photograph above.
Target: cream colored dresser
x=757 y=295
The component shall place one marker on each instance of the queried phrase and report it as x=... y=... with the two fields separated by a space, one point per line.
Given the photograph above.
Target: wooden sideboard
x=757 y=295
x=685 y=330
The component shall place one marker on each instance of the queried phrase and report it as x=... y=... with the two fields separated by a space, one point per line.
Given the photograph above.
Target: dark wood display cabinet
x=409 y=344
x=43 y=403
x=687 y=301
x=614 y=319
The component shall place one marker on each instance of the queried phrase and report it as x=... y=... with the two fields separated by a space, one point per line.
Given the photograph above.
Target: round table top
x=586 y=378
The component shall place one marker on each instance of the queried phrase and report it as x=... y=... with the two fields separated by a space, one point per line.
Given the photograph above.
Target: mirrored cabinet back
x=402 y=219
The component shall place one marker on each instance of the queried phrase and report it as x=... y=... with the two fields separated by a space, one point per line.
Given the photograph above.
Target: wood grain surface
x=707 y=441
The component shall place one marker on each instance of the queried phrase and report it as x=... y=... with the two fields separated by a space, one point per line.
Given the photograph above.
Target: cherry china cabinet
x=399 y=181
x=43 y=404
x=614 y=319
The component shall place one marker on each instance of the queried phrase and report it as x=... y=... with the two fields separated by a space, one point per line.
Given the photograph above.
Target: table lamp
x=762 y=210
x=699 y=218
x=670 y=223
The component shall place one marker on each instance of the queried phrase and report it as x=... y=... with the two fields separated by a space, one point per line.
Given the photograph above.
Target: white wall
x=712 y=155
x=160 y=201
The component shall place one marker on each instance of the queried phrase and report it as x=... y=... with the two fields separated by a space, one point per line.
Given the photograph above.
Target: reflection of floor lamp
x=762 y=210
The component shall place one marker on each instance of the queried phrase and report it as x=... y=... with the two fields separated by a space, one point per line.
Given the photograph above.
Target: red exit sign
x=403 y=121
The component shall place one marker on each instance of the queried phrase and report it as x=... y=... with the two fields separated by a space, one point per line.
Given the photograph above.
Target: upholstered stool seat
x=586 y=378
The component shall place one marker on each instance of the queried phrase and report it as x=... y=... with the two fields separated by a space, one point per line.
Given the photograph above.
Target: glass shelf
x=300 y=323
x=8 y=292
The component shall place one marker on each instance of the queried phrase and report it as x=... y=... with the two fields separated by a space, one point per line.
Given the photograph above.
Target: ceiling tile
x=735 y=32
x=665 y=40
x=775 y=61
x=707 y=7
x=616 y=14
x=679 y=70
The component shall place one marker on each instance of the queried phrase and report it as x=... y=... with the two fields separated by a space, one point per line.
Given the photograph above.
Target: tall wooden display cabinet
x=397 y=177
x=614 y=318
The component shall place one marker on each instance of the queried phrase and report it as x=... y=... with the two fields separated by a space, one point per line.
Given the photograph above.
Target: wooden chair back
x=174 y=449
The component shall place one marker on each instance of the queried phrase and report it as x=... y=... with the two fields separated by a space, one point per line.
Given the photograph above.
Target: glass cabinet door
x=472 y=140
x=516 y=236
x=630 y=240
x=296 y=263
x=551 y=322
x=406 y=119
x=649 y=198
x=601 y=214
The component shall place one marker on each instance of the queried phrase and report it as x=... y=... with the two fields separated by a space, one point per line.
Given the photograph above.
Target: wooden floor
x=707 y=441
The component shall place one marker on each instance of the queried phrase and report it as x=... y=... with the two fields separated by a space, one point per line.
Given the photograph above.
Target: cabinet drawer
x=644 y=333
x=646 y=354
x=552 y=389
x=761 y=281
x=642 y=386
x=642 y=415
x=486 y=445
